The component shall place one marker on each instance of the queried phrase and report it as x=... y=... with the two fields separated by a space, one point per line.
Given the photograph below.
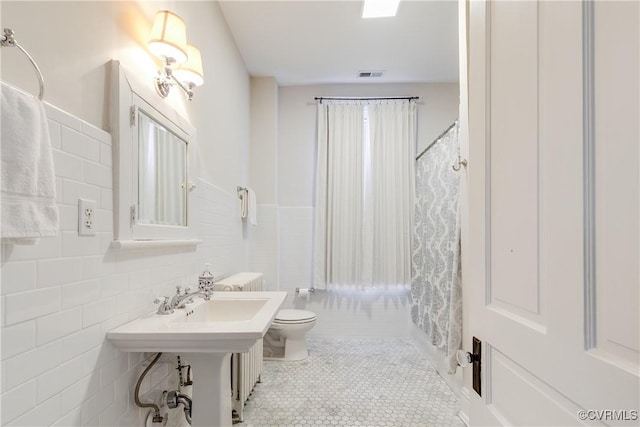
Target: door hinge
x=133 y=214
x=132 y=115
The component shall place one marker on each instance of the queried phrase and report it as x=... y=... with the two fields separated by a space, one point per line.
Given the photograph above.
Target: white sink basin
x=205 y=332
x=230 y=322
x=224 y=310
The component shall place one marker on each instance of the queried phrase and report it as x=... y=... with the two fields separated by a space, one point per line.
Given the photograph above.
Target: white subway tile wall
x=295 y=247
x=61 y=296
x=18 y=401
x=18 y=338
x=263 y=256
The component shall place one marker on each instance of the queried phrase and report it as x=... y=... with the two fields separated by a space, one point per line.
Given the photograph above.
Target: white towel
x=252 y=214
x=244 y=203
x=28 y=187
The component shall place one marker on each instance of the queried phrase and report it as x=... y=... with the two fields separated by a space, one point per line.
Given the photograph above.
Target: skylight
x=379 y=8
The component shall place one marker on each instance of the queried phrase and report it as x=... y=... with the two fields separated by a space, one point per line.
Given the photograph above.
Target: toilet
x=287 y=332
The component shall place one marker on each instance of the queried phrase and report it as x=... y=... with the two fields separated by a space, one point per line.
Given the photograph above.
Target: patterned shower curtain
x=436 y=288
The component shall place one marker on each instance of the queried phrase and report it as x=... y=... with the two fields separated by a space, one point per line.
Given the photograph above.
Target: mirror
x=162 y=179
x=154 y=166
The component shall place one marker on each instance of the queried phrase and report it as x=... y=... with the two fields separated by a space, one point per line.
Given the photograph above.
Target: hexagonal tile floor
x=353 y=382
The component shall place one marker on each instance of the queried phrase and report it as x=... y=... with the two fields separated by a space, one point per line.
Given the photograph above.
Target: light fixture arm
x=187 y=89
x=166 y=79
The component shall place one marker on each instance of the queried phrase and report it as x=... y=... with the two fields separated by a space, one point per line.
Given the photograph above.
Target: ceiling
x=303 y=42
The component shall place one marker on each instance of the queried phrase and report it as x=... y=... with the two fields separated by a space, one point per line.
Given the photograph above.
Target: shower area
x=436 y=288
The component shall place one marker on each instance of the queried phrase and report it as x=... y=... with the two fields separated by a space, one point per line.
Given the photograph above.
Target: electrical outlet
x=86 y=217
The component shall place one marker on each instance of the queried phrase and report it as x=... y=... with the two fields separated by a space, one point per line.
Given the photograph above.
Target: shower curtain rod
x=437 y=139
x=331 y=98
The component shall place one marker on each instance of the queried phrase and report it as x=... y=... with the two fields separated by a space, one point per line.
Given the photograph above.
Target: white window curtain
x=364 y=193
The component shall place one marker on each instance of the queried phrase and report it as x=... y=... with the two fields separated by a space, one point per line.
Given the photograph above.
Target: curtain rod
x=437 y=139
x=331 y=98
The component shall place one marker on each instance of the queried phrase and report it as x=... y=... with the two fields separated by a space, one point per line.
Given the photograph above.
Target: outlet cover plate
x=86 y=217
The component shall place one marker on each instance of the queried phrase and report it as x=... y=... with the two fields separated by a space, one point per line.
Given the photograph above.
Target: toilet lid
x=290 y=316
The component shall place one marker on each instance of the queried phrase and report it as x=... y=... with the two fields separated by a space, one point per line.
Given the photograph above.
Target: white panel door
x=554 y=211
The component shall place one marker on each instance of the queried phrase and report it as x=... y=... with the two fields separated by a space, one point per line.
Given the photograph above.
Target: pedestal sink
x=206 y=332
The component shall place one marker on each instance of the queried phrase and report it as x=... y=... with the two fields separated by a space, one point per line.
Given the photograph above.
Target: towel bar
x=8 y=40
x=241 y=189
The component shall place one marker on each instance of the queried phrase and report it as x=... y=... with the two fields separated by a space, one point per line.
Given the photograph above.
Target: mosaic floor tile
x=353 y=382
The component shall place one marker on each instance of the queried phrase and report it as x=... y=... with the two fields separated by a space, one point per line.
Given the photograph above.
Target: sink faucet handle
x=176 y=297
x=164 y=307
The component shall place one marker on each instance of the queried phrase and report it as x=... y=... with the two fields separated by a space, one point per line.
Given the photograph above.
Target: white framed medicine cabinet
x=154 y=167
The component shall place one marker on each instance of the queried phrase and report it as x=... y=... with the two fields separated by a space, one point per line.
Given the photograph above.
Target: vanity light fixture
x=182 y=62
x=168 y=37
x=380 y=8
x=191 y=72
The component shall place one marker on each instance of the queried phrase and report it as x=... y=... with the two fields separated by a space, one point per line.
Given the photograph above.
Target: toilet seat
x=291 y=316
x=300 y=322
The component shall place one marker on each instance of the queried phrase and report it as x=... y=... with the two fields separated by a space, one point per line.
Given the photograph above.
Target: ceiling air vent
x=370 y=74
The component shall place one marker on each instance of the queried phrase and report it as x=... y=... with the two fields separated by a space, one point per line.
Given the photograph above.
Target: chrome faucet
x=180 y=299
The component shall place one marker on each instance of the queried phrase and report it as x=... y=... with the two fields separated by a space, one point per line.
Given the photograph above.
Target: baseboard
x=437 y=359
x=464 y=417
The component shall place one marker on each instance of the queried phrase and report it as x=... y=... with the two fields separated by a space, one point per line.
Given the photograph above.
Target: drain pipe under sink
x=174 y=398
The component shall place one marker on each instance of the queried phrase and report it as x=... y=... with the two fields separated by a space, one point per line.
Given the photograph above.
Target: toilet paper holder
x=310 y=290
